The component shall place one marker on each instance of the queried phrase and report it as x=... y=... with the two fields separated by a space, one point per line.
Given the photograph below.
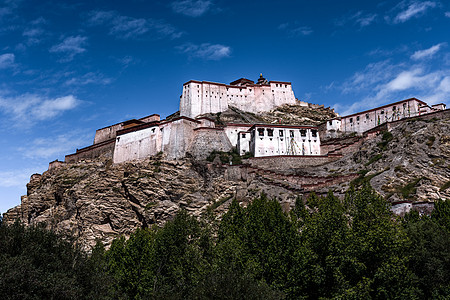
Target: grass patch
x=387 y=137
x=226 y=157
x=410 y=188
x=445 y=186
x=363 y=178
x=373 y=159
x=151 y=204
x=218 y=203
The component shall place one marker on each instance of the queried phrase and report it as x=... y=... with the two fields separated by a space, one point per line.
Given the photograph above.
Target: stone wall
x=105 y=148
x=107 y=133
x=290 y=162
x=208 y=139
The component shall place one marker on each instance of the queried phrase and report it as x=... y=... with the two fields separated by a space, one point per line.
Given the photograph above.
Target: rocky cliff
x=285 y=114
x=98 y=200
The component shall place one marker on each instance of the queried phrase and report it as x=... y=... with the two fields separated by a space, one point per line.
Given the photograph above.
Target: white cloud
x=7 y=60
x=206 y=51
x=447 y=14
x=50 y=108
x=16 y=178
x=70 y=47
x=191 y=8
x=359 y=18
x=124 y=27
x=426 y=53
x=89 y=78
x=55 y=147
x=28 y=108
x=383 y=82
x=295 y=30
x=414 y=9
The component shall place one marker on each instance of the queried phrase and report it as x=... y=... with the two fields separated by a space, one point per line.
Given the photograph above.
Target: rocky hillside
x=409 y=163
x=98 y=200
x=285 y=114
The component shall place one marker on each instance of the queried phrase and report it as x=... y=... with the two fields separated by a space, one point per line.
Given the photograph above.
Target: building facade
x=202 y=97
x=275 y=140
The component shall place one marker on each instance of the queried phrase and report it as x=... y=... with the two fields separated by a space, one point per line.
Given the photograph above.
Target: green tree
x=38 y=264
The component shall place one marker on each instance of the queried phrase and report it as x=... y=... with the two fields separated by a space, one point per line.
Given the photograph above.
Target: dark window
x=261 y=131
x=331 y=122
x=367 y=116
x=291 y=133
x=351 y=120
x=314 y=133
x=243 y=135
x=303 y=132
x=394 y=108
x=281 y=132
x=269 y=132
x=382 y=112
x=357 y=118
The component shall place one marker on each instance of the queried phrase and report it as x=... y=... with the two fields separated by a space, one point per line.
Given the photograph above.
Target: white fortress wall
x=201 y=97
x=137 y=144
x=232 y=132
x=177 y=136
x=368 y=119
x=284 y=140
x=244 y=141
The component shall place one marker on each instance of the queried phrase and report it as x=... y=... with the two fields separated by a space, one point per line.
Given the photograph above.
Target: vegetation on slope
x=327 y=249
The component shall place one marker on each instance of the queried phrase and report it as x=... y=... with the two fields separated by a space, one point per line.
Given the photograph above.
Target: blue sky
x=68 y=68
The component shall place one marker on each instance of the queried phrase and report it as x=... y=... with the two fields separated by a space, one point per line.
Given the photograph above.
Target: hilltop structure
x=193 y=134
x=202 y=97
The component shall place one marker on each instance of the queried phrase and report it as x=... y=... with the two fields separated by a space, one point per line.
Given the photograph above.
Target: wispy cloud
x=124 y=27
x=89 y=78
x=70 y=47
x=34 y=32
x=191 y=8
x=55 y=147
x=8 y=8
x=15 y=178
x=7 y=60
x=426 y=53
x=383 y=82
x=295 y=30
x=447 y=14
x=359 y=18
x=413 y=9
x=30 y=108
x=205 y=51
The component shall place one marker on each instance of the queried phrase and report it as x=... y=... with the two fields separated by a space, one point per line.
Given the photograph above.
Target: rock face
x=409 y=164
x=100 y=200
x=285 y=114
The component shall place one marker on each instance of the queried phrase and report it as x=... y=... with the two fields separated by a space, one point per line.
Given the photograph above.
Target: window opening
x=261 y=131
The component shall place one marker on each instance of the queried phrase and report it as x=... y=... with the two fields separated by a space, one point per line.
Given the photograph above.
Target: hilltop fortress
x=193 y=134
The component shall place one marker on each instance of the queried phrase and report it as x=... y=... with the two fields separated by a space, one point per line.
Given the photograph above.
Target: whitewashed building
x=365 y=120
x=201 y=97
x=275 y=140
